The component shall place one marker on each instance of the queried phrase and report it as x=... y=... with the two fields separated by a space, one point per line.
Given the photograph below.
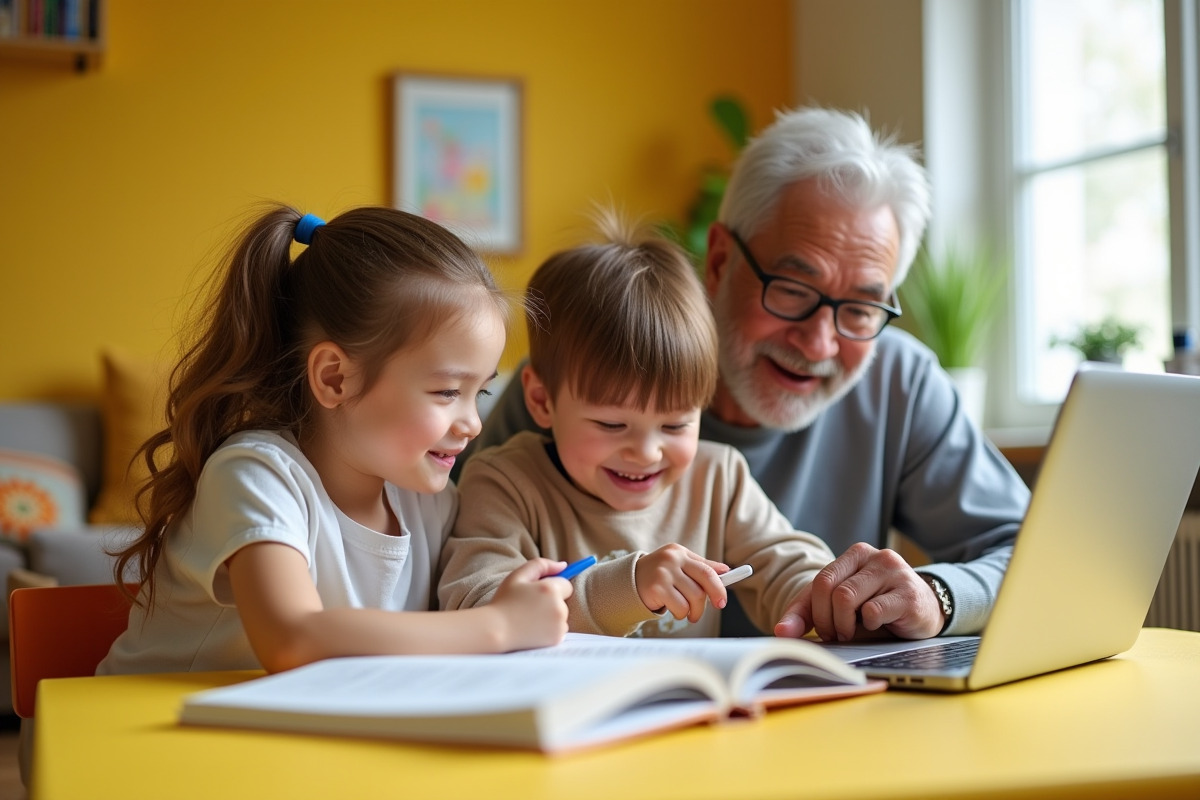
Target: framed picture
x=457 y=156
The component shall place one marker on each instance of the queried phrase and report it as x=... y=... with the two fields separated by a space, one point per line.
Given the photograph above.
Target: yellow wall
x=118 y=185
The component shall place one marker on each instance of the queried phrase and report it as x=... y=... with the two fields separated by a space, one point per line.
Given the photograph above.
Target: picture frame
x=457 y=156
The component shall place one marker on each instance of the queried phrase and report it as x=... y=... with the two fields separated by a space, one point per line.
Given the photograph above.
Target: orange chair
x=60 y=632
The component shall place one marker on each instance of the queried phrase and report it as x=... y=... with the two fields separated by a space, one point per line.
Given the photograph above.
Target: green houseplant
x=949 y=301
x=1106 y=341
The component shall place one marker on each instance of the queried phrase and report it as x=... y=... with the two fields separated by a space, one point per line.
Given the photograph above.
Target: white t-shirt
x=259 y=487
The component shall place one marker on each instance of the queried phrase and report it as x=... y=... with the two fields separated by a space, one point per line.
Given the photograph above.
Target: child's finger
x=708 y=581
x=675 y=602
x=691 y=581
x=537 y=568
x=563 y=587
x=695 y=595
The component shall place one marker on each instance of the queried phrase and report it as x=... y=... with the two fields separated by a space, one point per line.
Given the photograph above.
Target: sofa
x=69 y=552
x=65 y=442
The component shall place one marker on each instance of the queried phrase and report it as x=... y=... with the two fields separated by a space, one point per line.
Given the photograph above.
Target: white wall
x=863 y=55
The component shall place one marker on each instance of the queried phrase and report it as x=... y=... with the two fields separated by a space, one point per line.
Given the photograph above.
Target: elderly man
x=851 y=427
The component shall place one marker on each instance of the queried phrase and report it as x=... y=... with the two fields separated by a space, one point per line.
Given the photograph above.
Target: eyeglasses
x=795 y=301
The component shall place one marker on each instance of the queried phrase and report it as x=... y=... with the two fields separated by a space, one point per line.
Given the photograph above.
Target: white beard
x=761 y=398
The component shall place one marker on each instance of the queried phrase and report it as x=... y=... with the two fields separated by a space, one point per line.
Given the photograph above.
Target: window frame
x=971 y=153
x=1024 y=170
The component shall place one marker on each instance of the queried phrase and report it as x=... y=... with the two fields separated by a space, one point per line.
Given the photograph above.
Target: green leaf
x=950 y=301
x=732 y=119
x=1106 y=340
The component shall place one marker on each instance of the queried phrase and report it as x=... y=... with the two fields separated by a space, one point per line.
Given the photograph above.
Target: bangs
x=623 y=322
x=659 y=362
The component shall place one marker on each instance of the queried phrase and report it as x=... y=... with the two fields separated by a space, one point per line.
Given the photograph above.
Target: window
x=1068 y=131
x=1090 y=183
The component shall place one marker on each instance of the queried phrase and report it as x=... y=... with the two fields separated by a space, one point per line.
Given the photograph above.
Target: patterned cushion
x=37 y=491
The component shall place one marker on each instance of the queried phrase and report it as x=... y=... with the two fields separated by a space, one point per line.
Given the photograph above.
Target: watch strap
x=943 y=596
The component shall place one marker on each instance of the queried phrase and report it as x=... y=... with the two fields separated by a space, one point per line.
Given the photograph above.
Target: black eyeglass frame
x=892 y=311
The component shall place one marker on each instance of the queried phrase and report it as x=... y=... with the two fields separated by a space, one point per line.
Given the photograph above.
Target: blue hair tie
x=305 y=227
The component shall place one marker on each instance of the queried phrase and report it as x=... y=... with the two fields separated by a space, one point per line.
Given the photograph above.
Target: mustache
x=794 y=362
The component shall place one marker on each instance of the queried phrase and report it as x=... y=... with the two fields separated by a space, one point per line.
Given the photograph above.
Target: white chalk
x=736 y=574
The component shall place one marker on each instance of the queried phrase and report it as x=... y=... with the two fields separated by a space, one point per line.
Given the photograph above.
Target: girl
x=310 y=433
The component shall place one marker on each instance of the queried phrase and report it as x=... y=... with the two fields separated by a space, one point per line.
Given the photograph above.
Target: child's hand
x=534 y=611
x=675 y=578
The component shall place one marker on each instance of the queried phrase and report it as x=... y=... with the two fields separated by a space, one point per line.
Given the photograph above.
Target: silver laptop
x=1112 y=487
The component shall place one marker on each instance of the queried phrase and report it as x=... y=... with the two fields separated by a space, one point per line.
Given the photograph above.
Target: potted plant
x=949 y=302
x=1106 y=341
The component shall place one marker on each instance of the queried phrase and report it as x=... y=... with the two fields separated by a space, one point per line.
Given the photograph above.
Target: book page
x=750 y=666
x=411 y=685
x=722 y=656
x=567 y=703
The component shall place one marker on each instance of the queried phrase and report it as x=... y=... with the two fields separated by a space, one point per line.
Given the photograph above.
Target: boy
x=623 y=357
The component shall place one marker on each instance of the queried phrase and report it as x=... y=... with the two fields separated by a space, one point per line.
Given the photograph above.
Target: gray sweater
x=896 y=452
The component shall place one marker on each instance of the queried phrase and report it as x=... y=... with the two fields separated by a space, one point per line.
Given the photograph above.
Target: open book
x=585 y=692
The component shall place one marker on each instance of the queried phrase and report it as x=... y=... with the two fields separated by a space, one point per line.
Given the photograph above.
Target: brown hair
x=373 y=281
x=624 y=319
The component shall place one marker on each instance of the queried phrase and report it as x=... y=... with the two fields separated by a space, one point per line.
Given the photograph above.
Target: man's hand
x=860 y=592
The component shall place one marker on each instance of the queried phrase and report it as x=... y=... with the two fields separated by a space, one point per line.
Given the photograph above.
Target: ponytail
x=247 y=369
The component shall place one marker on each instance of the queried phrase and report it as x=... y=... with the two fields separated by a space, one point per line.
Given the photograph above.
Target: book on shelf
x=586 y=692
x=49 y=19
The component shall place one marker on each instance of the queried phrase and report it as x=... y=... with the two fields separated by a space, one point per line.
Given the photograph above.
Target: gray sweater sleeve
x=951 y=491
x=958 y=499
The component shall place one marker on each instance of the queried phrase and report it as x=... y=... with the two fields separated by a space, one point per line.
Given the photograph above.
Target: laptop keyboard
x=941 y=656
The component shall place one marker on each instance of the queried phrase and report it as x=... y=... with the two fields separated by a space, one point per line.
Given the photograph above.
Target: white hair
x=851 y=162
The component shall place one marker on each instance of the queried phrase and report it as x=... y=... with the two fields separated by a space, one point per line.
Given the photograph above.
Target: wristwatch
x=943 y=596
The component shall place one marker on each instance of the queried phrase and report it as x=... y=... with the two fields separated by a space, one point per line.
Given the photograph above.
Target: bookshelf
x=53 y=32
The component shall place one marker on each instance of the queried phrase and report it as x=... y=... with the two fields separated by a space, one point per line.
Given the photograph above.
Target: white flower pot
x=971 y=383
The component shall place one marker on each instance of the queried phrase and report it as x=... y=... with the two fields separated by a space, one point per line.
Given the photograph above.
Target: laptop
x=1115 y=478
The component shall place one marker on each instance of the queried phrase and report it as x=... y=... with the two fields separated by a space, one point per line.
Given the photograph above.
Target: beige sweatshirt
x=516 y=505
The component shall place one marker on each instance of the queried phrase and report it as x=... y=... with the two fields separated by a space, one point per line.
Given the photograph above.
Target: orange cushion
x=133 y=408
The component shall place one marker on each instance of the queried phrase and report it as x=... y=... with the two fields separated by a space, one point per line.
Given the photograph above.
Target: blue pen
x=574 y=569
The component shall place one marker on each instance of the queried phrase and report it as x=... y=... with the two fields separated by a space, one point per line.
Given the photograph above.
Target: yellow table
x=1125 y=727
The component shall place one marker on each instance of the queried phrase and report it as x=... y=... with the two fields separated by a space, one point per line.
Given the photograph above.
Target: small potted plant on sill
x=950 y=301
x=1106 y=341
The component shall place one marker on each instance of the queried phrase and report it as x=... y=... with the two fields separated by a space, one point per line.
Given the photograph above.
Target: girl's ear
x=537 y=399
x=331 y=376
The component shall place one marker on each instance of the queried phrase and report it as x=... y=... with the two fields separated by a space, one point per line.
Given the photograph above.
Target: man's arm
x=933 y=476
x=959 y=500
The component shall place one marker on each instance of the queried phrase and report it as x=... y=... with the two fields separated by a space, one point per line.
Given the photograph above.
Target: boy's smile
x=635 y=482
